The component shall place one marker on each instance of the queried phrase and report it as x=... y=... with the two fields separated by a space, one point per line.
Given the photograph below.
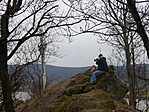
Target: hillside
x=64 y=72
x=77 y=95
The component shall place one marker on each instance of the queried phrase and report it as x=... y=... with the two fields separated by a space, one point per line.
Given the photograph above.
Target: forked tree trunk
x=131 y=78
x=132 y=96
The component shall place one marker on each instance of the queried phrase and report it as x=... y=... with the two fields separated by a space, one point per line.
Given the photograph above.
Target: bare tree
x=141 y=27
x=124 y=39
x=142 y=86
x=140 y=18
x=25 y=18
x=35 y=87
x=42 y=48
x=112 y=21
x=48 y=47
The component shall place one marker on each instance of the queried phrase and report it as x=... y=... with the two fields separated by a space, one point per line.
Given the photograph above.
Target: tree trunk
x=4 y=76
x=132 y=98
x=131 y=78
x=42 y=49
x=140 y=27
x=43 y=71
x=133 y=74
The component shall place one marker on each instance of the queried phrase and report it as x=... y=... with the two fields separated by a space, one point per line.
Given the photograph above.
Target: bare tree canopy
x=21 y=20
x=122 y=24
x=140 y=27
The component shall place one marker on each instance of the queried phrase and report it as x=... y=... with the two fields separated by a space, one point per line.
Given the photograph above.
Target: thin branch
x=141 y=77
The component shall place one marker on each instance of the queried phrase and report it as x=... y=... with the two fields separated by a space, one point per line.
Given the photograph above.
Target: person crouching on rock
x=102 y=68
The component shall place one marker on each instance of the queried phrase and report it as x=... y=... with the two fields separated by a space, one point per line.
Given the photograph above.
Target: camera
x=96 y=59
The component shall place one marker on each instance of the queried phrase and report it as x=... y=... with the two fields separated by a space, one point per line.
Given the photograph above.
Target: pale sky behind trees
x=81 y=51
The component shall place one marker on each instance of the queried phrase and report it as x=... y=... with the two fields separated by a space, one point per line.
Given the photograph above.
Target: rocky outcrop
x=78 y=95
x=107 y=82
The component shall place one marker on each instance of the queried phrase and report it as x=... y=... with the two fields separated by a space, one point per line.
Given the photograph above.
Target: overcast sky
x=81 y=51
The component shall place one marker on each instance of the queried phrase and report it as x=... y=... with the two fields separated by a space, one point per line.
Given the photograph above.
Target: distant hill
x=64 y=72
x=122 y=69
x=61 y=73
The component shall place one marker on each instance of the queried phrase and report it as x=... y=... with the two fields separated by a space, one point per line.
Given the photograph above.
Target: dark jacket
x=102 y=64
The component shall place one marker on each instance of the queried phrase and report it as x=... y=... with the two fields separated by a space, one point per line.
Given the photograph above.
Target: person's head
x=100 y=56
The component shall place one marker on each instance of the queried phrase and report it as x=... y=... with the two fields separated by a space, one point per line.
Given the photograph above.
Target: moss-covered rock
x=88 y=102
x=108 y=82
x=78 y=95
x=78 y=79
